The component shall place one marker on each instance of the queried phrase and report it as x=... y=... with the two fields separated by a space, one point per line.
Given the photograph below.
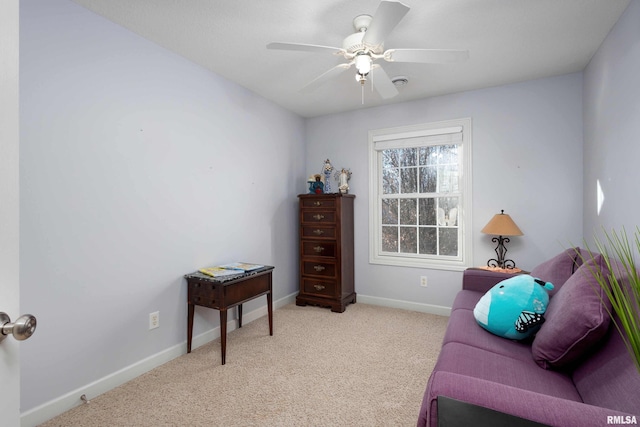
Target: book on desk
x=231 y=269
x=242 y=266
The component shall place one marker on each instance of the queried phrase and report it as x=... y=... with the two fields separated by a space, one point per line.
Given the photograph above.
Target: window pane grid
x=419 y=189
x=420 y=200
x=423 y=225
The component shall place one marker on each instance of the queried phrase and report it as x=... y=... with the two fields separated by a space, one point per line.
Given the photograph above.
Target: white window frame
x=415 y=136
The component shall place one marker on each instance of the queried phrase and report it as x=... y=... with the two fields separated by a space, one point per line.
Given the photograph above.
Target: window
x=420 y=195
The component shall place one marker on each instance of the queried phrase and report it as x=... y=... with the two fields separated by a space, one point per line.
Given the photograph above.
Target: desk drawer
x=203 y=293
x=202 y=288
x=319 y=232
x=204 y=300
x=319 y=248
x=315 y=268
x=319 y=287
x=318 y=216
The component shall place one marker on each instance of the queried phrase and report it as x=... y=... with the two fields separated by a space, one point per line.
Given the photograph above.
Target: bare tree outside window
x=419 y=204
x=420 y=195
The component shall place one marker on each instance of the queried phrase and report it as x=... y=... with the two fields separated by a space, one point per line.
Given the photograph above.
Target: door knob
x=21 y=329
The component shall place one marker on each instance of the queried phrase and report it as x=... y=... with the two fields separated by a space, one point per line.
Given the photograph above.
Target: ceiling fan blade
x=427 y=56
x=324 y=77
x=383 y=83
x=304 y=47
x=388 y=15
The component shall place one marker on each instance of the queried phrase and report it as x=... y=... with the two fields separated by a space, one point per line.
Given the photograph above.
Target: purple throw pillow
x=558 y=269
x=576 y=318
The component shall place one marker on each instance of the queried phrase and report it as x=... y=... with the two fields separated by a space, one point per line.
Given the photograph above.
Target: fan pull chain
x=371 y=79
x=362 y=91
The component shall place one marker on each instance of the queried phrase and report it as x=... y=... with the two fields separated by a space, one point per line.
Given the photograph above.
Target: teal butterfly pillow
x=514 y=308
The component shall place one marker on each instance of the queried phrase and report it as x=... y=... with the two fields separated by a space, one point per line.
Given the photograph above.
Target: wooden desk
x=223 y=293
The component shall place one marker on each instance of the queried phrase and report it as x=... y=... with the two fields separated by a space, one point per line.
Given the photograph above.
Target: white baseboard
x=55 y=407
x=405 y=305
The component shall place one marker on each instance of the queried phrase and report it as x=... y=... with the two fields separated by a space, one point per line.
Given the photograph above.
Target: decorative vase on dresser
x=326 y=251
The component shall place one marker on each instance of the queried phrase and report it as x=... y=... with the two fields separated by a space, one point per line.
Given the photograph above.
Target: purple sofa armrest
x=477 y=279
x=541 y=408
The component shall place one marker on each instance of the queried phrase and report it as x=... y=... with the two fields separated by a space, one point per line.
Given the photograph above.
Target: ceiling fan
x=363 y=48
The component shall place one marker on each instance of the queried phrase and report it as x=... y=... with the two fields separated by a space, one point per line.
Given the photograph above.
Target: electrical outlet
x=154 y=320
x=423 y=281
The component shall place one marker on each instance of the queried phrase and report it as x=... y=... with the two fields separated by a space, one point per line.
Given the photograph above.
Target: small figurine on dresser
x=326 y=169
x=343 y=176
x=315 y=185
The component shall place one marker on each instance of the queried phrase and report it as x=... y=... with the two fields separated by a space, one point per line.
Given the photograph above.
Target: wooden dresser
x=326 y=251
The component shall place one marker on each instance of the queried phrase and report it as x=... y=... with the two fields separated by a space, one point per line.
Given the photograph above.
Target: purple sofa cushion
x=576 y=319
x=463 y=328
x=609 y=378
x=558 y=269
x=483 y=364
x=466 y=300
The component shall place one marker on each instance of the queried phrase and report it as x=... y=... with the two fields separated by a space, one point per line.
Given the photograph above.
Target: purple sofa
x=576 y=371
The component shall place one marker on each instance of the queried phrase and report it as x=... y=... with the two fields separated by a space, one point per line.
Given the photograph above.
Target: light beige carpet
x=367 y=366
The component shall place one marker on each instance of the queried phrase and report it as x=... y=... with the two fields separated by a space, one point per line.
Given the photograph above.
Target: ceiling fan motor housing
x=353 y=44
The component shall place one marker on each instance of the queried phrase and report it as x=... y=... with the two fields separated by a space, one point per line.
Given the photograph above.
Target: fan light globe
x=363 y=64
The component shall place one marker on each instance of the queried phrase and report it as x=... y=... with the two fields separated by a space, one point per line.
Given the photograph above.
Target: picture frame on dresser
x=326 y=251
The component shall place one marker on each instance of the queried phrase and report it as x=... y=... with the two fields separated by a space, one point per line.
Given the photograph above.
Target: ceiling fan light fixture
x=363 y=64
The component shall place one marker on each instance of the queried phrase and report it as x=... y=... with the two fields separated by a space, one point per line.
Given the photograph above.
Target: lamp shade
x=502 y=225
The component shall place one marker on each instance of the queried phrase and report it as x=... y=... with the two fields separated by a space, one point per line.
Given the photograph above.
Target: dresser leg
x=239 y=315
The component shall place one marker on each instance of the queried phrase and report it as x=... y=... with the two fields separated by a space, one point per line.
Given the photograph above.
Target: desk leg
x=223 y=333
x=239 y=315
x=189 y=326
x=270 y=311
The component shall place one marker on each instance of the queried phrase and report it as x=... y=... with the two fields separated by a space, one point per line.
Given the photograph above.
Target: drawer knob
x=318 y=267
x=317 y=203
x=318 y=217
x=318 y=249
x=318 y=232
x=318 y=287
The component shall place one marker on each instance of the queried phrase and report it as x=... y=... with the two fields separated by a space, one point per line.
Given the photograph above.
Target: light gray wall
x=612 y=128
x=136 y=167
x=527 y=160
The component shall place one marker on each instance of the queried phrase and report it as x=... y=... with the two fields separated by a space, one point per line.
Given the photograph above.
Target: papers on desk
x=231 y=269
x=241 y=266
x=219 y=272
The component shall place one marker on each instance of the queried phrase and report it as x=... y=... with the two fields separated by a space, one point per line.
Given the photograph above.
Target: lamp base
x=501 y=251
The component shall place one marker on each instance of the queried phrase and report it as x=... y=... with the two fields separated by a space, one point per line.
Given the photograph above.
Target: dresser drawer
x=318 y=203
x=318 y=216
x=318 y=232
x=316 y=268
x=319 y=287
x=319 y=248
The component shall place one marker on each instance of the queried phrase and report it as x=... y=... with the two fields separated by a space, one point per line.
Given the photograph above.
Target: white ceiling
x=508 y=41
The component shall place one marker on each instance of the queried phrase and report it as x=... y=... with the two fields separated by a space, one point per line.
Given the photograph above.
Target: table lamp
x=501 y=225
